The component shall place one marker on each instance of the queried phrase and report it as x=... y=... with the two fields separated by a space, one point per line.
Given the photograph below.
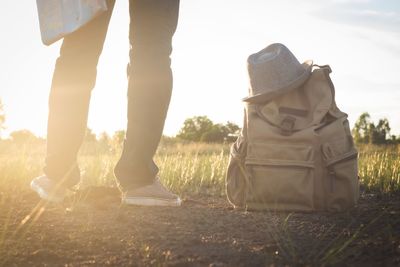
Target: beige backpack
x=295 y=152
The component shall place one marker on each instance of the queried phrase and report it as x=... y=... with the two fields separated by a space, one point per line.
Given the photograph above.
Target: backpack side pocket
x=342 y=190
x=236 y=177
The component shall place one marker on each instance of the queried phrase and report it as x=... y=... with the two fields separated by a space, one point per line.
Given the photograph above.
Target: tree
x=90 y=136
x=193 y=128
x=104 y=141
x=23 y=137
x=361 y=130
x=2 y=117
x=232 y=131
x=216 y=134
x=201 y=128
x=384 y=128
x=379 y=132
x=232 y=127
x=118 y=138
x=365 y=131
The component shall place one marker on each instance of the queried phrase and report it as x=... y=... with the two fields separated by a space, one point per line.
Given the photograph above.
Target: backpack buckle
x=287 y=125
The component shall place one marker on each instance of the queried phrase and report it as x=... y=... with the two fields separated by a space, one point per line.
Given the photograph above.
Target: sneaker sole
x=44 y=195
x=141 y=201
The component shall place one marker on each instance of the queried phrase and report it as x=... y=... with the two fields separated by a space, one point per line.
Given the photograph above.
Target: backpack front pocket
x=281 y=177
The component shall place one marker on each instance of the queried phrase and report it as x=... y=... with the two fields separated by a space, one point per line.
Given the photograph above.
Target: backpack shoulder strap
x=334 y=110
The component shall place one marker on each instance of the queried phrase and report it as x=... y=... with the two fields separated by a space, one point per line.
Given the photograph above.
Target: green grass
x=379 y=168
x=191 y=168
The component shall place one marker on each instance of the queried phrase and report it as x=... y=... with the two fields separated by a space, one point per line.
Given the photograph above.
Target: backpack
x=295 y=152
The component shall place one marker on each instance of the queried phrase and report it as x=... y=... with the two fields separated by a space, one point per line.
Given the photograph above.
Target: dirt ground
x=93 y=229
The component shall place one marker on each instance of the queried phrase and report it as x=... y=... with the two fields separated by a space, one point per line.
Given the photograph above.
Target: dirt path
x=96 y=230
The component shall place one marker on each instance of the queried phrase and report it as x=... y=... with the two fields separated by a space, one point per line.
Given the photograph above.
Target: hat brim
x=264 y=97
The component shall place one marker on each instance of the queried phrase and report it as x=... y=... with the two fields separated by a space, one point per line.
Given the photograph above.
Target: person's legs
x=153 y=23
x=73 y=79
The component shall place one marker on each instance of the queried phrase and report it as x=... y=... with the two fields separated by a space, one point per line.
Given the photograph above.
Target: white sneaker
x=48 y=189
x=154 y=194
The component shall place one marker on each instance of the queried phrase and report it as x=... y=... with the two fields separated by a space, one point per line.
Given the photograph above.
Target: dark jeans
x=153 y=23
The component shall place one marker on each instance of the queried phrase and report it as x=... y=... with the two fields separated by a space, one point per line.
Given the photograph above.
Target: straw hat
x=274 y=71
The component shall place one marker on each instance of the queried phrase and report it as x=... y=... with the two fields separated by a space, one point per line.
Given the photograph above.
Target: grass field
x=186 y=168
x=197 y=172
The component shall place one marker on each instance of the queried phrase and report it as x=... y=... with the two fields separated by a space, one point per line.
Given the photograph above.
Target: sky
x=359 y=39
